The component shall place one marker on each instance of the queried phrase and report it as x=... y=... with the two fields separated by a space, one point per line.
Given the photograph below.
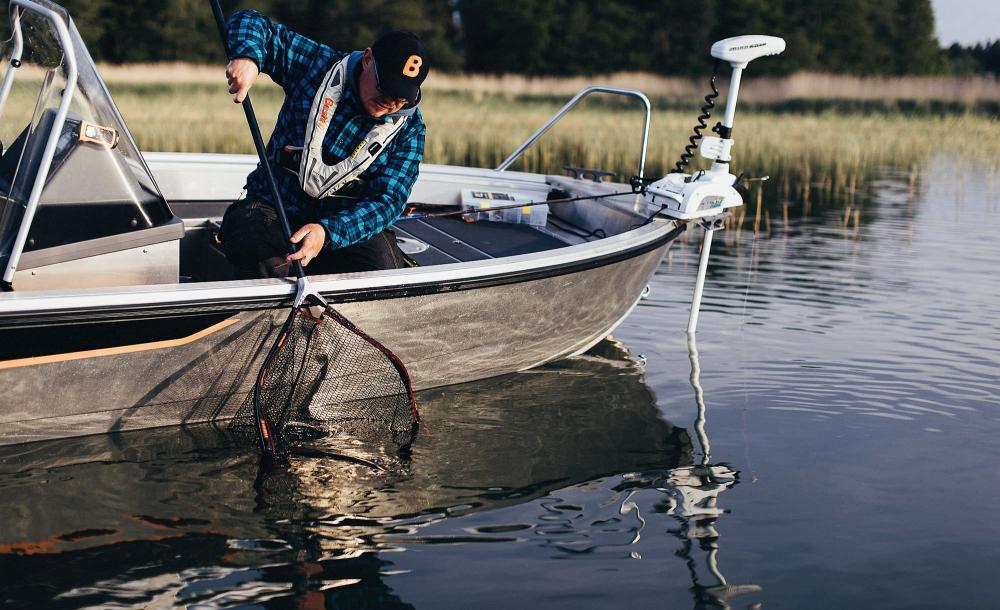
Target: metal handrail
x=569 y=106
x=15 y=59
x=62 y=32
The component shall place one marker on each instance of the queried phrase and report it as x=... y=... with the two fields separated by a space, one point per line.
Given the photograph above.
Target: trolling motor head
x=708 y=193
x=741 y=50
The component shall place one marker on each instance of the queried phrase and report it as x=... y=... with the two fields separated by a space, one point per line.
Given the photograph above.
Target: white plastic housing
x=685 y=198
x=741 y=50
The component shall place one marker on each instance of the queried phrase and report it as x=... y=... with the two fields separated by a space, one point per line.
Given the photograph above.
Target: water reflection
x=849 y=346
x=172 y=516
x=695 y=503
x=692 y=499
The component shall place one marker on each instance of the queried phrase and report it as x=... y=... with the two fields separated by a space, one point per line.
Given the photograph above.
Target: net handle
x=265 y=430
x=258 y=143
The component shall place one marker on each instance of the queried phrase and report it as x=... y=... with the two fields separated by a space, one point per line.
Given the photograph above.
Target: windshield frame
x=59 y=21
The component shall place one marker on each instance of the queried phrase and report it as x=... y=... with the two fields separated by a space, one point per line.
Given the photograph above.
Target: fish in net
x=325 y=377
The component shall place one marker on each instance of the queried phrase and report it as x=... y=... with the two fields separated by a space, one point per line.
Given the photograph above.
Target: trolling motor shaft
x=705 y=195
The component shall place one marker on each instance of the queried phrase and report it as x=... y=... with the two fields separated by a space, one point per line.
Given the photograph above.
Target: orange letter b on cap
x=412 y=66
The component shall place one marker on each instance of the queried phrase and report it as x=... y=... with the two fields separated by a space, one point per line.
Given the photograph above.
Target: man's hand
x=312 y=236
x=242 y=74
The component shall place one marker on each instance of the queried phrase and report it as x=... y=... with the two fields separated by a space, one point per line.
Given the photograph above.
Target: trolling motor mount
x=687 y=197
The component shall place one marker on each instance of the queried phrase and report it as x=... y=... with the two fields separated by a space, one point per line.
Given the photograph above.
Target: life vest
x=317 y=178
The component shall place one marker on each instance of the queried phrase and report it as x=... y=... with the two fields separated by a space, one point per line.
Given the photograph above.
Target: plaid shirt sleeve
x=279 y=52
x=389 y=189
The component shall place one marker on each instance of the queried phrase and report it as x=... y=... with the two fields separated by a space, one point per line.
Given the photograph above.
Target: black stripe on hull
x=27 y=342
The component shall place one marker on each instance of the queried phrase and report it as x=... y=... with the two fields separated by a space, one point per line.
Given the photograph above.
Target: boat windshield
x=97 y=183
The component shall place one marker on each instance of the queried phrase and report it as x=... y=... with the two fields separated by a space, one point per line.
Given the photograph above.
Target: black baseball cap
x=400 y=64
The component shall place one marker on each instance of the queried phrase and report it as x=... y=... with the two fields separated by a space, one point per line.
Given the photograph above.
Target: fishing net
x=325 y=377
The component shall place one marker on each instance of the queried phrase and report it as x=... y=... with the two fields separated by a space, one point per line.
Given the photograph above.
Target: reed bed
x=478 y=121
x=484 y=132
x=756 y=89
x=481 y=130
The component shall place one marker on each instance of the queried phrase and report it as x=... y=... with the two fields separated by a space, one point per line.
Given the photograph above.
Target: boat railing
x=15 y=60
x=62 y=32
x=514 y=156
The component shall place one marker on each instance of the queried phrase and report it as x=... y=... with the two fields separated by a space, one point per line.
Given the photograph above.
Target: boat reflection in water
x=173 y=514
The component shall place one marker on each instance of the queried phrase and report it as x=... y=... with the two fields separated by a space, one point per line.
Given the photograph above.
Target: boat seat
x=452 y=240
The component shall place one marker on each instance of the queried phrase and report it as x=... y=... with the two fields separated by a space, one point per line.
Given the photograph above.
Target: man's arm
x=279 y=52
x=389 y=190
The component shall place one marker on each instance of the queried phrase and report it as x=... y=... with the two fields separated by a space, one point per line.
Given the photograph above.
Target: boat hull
x=445 y=333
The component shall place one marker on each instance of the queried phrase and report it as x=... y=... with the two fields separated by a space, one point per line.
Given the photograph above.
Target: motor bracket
x=716 y=149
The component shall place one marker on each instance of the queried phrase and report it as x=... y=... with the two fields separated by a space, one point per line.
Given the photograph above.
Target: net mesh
x=324 y=377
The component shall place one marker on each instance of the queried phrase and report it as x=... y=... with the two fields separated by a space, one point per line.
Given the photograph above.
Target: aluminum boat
x=120 y=311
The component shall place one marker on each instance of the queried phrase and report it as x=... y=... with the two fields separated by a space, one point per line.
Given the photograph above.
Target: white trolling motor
x=705 y=195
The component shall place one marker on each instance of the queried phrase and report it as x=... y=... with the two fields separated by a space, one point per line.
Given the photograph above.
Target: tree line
x=558 y=37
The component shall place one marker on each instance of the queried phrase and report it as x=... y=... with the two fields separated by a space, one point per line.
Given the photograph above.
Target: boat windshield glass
x=97 y=183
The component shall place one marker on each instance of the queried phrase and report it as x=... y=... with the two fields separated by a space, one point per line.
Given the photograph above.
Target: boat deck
x=451 y=240
x=426 y=242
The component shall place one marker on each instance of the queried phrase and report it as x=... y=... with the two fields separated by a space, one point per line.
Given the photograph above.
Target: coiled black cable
x=706 y=113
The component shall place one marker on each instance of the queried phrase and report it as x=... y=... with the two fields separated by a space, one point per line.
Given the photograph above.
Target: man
x=345 y=150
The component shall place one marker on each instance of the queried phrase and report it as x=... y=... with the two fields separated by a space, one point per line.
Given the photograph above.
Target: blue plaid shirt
x=299 y=65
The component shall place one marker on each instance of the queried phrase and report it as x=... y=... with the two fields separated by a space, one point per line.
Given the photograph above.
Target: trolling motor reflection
x=692 y=498
x=696 y=504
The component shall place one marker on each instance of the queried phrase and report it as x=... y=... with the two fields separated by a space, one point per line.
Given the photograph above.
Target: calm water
x=848 y=453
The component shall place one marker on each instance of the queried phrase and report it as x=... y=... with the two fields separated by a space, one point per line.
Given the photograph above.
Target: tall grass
x=478 y=121
x=481 y=130
x=804 y=85
x=485 y=131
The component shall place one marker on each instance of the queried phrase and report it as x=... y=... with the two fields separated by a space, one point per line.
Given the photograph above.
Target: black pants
x=255 y=244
